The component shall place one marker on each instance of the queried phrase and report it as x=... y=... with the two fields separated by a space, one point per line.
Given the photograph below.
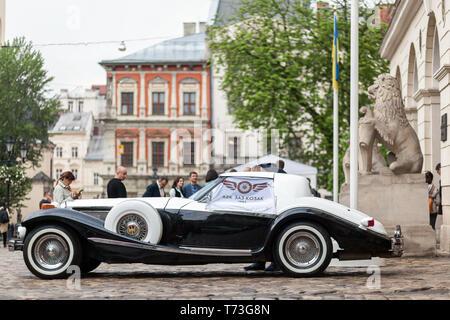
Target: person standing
x=433 y=195
x=156 y=189
x=193 y=186
x=281 y=167
x=115 y=187
x=211 y=176
x=439 y=203
x=177 y=188
x=314 y=192
x=63 y=191
x=47 y=199
x=261 y=265
x=5 y=217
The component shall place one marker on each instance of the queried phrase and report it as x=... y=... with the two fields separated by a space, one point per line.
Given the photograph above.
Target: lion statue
x=388 y=124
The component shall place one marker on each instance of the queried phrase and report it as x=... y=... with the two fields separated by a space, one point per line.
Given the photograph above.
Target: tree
x=27 y=111
x=277 y=65
x=18 y=182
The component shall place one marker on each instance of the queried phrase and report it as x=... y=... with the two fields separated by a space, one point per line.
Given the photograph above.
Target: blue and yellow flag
x=335 y=54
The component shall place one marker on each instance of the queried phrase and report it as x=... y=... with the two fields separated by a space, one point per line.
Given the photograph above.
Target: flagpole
x=354 y=104
x=335 y=128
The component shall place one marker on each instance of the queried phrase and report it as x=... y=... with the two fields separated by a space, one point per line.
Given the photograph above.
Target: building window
x=158 y=103
x=96 y=179
x=74 y=152
x=158 y=154
x=233 y=148
x=127 y=156
x=80 y=106
x=189 y=153
x=70 y=106
x=127 y=103
x=58 y=173
x=59 y=152
x=189 y=103
x=75 y=173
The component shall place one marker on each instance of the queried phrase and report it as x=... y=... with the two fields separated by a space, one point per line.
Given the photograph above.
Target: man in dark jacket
x=115 y=188
x=156 y=189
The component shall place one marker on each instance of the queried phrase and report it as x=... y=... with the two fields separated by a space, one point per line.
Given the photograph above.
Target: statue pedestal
x=397 y=200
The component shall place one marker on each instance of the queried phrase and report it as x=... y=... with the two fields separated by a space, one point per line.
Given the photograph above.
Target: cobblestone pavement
x=405 y=278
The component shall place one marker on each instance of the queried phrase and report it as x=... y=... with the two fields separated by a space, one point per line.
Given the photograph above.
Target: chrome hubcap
x=133 y=226
x=302 y=249
x=51 y=252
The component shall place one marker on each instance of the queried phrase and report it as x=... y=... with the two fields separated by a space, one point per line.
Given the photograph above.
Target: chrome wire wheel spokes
x=302 y=249
x=51 y=252
x=133 y=226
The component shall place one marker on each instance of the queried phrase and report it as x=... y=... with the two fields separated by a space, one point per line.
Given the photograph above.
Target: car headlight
x=21 y=231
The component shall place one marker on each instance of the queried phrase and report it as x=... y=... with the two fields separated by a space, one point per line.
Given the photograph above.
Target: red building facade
x=158 y=112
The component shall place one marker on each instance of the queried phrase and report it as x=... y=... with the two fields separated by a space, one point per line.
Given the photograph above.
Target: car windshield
x=206 y=189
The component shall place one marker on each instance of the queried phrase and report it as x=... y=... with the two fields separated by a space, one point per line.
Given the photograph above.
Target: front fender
x=83 y=224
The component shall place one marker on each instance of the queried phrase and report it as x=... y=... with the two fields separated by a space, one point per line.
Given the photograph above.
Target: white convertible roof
x=291 y=167
x=249 y=174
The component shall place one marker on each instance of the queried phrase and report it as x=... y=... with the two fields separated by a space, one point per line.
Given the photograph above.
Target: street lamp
x=9 y=146
x=23 y=152
x=10 y=162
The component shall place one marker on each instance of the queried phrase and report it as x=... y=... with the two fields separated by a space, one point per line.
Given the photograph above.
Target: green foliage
x=277 y=68
x=18 y=183
x=27 y=111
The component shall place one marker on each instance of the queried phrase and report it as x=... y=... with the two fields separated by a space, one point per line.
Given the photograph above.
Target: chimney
x=322 y=4
x=202 y=27
x=189 y=28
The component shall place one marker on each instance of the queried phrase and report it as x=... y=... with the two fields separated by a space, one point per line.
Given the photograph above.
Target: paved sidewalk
x=405 y=278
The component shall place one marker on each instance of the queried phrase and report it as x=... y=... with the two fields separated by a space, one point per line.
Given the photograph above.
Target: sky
x=75 y=21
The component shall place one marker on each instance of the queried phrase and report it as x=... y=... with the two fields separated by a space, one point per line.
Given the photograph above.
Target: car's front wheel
x=303 y=249
x=50 y=250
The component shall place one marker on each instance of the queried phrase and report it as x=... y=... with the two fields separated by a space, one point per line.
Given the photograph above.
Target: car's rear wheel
x=50 y=250
x=303 y=249
x=135 y=219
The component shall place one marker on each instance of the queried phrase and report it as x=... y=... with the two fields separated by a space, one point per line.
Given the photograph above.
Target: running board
x=179 y=250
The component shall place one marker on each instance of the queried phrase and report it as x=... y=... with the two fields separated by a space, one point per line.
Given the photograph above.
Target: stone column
x=142 y=96
x=141 y=161
x=428 y=131
x=443 y=76
x=173 y=106
x=204 y=103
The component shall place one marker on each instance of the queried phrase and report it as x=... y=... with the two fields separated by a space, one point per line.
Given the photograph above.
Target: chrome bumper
x=397 y=243
x=15 y=245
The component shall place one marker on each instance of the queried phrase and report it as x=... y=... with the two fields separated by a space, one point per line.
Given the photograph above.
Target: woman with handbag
x=5 y=217
x=433 y=195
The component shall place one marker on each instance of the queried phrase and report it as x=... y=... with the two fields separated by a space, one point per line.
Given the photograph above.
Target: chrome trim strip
x=181 y=250
x=246 y=213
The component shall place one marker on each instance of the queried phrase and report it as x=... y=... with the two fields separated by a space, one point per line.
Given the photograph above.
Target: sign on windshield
x=244 y=194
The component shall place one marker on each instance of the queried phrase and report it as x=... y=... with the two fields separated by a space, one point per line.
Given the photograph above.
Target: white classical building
x=84 y=100
x=2 y=20
x=231 y=145
x=417 y=44
x=80 y=150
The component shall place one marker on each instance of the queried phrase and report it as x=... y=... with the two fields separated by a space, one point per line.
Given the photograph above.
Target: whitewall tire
x=303 y=249
x=136 y=219
x=50 y=250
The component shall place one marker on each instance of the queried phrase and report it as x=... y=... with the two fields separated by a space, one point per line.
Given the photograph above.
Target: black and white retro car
x=241 y=217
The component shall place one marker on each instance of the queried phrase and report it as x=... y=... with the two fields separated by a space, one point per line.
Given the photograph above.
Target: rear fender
x=348 y=235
